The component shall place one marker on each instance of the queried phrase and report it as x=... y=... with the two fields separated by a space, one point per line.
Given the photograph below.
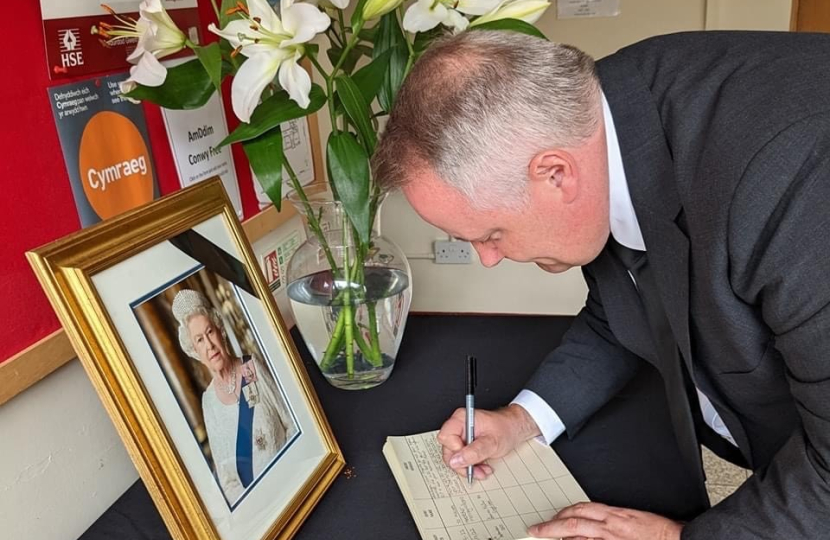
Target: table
x=625 y=455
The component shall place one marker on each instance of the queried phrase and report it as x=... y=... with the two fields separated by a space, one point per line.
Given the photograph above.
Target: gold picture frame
x=111 y=286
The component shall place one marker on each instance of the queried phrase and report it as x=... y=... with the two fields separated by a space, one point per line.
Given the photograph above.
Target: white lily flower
x=158 y=36
x=528 y=11
x=148 y=72
x=329 y=4
x=166 y=38
x=374 y=9
x=425 y=15
x=156 y=32
x=273 y=46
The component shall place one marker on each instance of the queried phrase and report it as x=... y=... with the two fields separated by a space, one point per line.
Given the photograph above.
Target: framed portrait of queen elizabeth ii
x=181 y=338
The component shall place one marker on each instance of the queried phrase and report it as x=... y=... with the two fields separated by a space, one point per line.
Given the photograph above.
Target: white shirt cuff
x=545 y=417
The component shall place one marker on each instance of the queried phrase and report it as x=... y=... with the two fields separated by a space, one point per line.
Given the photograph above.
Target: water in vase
x=317 y=301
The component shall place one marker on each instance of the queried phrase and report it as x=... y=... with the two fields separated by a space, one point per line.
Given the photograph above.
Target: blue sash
x=244 y=439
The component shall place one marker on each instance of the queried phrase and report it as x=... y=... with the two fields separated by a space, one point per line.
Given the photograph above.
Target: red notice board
x=37 y=200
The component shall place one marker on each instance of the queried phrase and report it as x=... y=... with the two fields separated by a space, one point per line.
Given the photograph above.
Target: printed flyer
x=194 y=137
x=105 y=146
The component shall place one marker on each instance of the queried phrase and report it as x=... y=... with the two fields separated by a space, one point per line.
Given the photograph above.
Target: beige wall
x=61 y=462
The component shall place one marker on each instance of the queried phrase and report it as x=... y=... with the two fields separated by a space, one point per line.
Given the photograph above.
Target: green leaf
x=391 y=37
x=364 y=50
x=265 y=155
x=274 y=111
x=368 y=34
x=211 y=58
x=358 y=110
x=349 y=172
x=352 y=57
x=187 y=86
x=370 y=77
x=424 y=39
x=514 y=25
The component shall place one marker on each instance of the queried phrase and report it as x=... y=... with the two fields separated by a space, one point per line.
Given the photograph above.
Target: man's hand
x=497 y=433
x=600 y=522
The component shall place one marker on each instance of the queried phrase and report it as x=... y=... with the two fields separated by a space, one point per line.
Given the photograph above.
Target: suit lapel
x=623 y=307
x=649 y=171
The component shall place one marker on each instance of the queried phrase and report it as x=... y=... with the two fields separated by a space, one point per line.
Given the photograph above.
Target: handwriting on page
x=527 y=486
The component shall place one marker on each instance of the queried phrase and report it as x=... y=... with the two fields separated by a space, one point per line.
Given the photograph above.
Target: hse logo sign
x=115 y=166
x=69 y=41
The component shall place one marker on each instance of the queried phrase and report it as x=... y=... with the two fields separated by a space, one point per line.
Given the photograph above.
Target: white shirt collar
x=624 y=226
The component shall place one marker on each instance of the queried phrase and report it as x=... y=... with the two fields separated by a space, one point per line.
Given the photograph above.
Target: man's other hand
x=496 y=434
x=600 y=522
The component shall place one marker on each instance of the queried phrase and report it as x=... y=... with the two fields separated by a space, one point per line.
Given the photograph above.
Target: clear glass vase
x=349 y=304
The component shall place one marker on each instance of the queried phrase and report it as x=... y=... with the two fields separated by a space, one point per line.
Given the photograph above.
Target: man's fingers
x=480 y=450
x=451 y=433
x=590 y=510
x=572 y=527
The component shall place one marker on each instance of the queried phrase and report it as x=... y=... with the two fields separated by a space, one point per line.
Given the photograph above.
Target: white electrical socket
x=452 y=252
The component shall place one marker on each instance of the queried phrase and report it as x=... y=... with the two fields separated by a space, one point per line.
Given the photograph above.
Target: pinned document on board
x=105 y=146
x=578 y=9
x=194 y=137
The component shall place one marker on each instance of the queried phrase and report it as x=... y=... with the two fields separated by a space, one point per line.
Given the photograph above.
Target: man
x=690 y=176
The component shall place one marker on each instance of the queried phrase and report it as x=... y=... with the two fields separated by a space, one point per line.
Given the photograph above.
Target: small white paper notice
x=578 y=9
x=297 y=147
x=194 y=136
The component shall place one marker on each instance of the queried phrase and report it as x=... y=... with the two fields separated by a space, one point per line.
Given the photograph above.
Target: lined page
x=528 y=486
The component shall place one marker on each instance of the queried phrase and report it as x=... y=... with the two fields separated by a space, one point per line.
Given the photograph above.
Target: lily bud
x=528 y=11
x=374 y=9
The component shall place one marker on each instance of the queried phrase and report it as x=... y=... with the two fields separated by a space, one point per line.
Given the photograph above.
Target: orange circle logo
x=115 y=165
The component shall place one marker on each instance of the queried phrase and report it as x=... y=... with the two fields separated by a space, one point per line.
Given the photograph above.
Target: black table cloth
x=625 y=455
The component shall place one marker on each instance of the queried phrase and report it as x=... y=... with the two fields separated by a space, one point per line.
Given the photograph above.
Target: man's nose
x=489 y=255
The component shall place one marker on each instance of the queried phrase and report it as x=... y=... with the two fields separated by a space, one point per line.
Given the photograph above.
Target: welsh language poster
x=105 y=147
x=76 y=33
x=194 y=137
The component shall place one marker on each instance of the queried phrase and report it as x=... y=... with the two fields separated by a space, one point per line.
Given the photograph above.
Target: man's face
x=555 y=231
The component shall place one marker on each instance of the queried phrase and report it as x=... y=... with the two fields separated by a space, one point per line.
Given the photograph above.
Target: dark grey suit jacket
x=725 y=138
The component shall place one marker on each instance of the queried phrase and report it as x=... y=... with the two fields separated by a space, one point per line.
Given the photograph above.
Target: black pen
x=470 y=408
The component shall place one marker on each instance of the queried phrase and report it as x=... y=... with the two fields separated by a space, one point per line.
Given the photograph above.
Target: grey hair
x=185 y=341
x=478 y=106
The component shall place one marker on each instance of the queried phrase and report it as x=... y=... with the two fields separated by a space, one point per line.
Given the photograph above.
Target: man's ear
x=556 y=170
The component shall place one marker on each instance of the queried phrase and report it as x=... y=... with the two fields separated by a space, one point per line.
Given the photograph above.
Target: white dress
x=273 y=426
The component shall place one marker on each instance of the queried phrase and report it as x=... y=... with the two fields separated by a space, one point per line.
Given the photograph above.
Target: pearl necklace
x=230 y=387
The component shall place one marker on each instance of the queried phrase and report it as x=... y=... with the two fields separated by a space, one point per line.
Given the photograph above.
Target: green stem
x=342 y=25
x=335 y=344
x=316 y=64
x=330 y=79
x=374 y=339
x=216 y=11
x=347 y=307
x=358 y=274
x=364 y=348
x=312 y=219
x=349 y=46
x=411 y=58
